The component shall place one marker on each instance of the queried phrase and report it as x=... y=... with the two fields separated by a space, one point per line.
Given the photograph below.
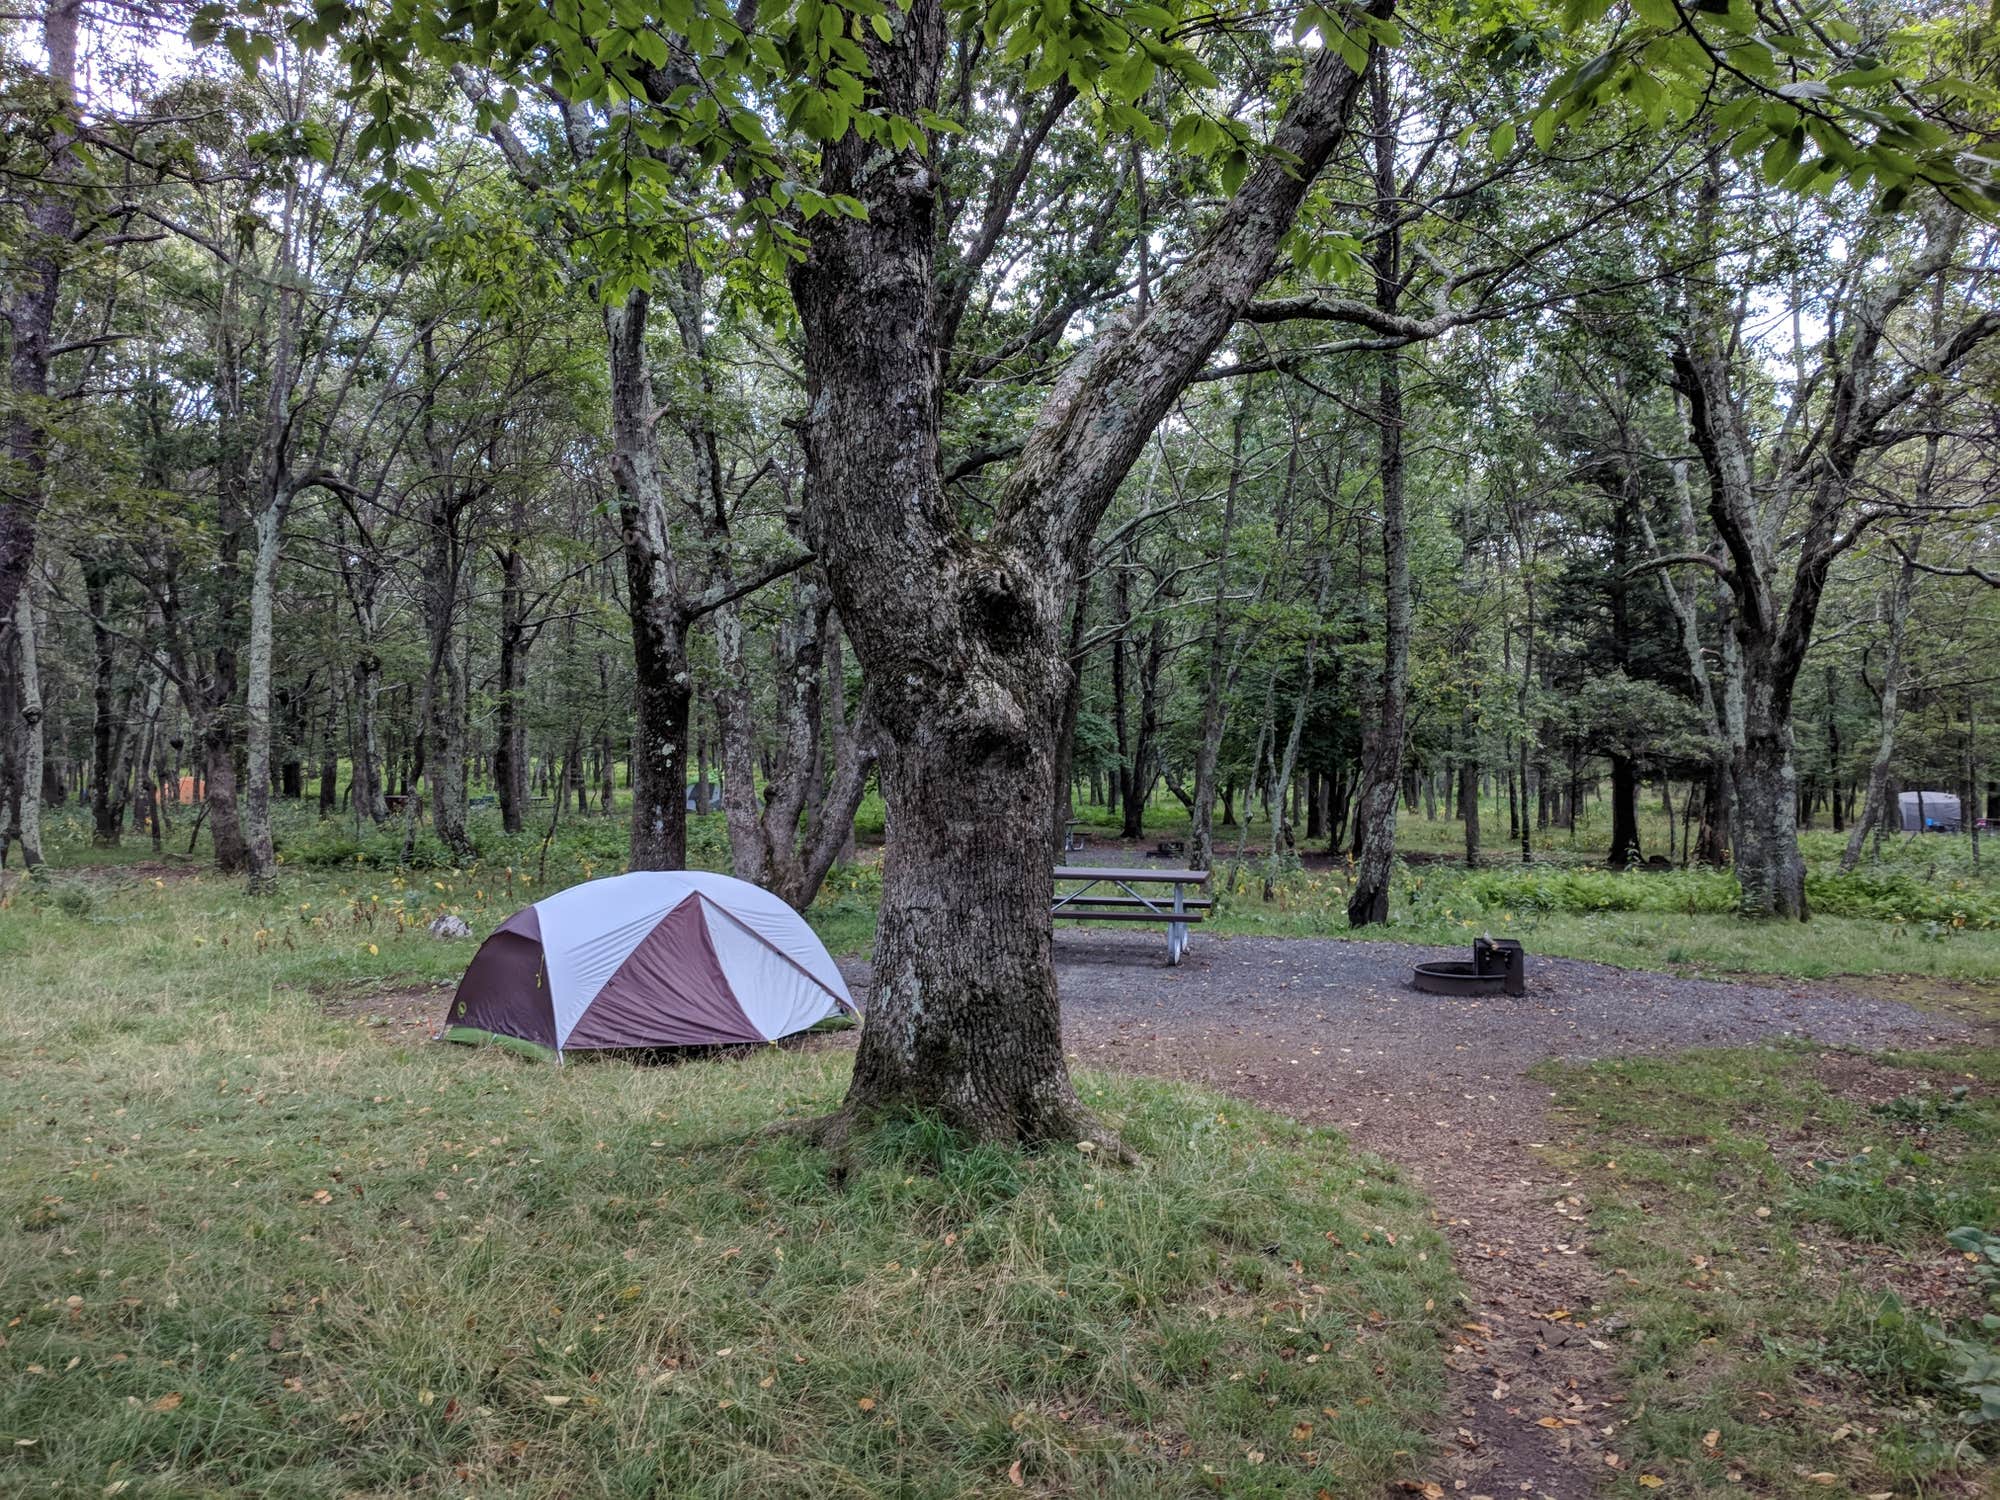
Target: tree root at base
x=1074 y=1128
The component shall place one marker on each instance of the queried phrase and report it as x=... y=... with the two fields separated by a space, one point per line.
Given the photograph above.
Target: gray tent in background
x=1930 y=812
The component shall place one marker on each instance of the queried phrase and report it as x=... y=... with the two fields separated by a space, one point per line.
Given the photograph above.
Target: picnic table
x=1109 y=893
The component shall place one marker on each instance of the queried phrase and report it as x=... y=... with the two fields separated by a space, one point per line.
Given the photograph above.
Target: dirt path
x=1331 y=1033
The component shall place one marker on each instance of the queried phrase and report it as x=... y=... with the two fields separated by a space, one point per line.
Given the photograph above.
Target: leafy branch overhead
x=1821 y=94
x=699 y=115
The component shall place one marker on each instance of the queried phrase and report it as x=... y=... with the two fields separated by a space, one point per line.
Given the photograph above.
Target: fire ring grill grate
x=1499 y=966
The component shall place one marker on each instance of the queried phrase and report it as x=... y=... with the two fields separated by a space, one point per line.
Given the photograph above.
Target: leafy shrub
x=1984 y=1249
x=1939 y=907
x=1953 y=904
x=1888 y=1197
x=1928 y=1108
x=1584 y=891
x=1886 y=1342
x=1975 y=1362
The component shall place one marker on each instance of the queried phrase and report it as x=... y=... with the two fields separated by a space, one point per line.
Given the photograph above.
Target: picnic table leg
x=1176 y=931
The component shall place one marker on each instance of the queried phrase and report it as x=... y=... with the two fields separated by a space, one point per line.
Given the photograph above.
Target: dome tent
x=656 y=958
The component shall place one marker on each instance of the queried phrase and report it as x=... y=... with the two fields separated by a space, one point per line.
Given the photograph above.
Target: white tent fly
x=656 y=958
x=1929 y=812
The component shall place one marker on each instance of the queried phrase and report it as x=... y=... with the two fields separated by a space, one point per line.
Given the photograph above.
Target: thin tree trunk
x=1225 y=661
x=1383 y=763
x=268 y=531
x=28 y=756
x=329 y=752
x=1875 y=808
x=109 y=734
x=1468 y=780
x=1145 y=756
x=1281 y=831
x=662 y=677
x=1079 y=620
x=365 y=742
x=510 y=785
x=46 y=220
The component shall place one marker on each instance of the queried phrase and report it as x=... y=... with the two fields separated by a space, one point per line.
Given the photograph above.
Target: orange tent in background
x=187 y=789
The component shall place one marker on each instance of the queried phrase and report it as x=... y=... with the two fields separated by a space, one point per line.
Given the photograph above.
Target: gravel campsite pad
x=1332 y=1033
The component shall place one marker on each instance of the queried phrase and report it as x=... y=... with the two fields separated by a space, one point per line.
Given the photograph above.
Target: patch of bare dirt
x=171 y=868
x=413 y=1014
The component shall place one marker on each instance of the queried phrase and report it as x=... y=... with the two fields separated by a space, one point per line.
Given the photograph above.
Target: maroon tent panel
x=504 y=988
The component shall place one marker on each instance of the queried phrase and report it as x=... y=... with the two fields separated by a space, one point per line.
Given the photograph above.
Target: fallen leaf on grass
x=1014 y=1474
x=866 y=1403
x=1710 y=1438
x=1650 y=1481
x=167 y=1402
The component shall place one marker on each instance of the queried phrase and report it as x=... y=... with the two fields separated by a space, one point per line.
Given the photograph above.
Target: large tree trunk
x=1624 y=813
x=960 y=637
x=1769 y=866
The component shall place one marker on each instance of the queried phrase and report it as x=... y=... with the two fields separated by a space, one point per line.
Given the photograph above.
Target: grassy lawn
x=1781 y=1288
x=246 y=1248
x=249 y=1247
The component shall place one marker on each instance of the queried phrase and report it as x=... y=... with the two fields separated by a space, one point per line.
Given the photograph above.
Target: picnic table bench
x=1092 y=902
